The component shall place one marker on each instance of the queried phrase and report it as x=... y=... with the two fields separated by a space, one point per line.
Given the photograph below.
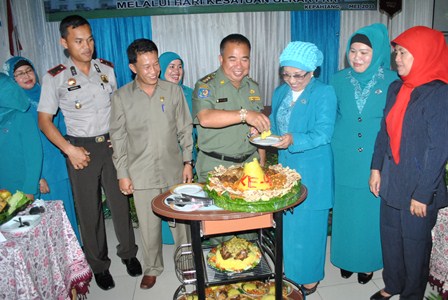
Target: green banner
x=58 y=9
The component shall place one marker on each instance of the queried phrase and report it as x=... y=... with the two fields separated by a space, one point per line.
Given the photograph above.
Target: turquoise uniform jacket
x=355 y=133
x=311 y=125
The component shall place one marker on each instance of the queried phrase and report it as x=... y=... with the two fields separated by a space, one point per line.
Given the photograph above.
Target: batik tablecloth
x=439 y=255
x=45 y=262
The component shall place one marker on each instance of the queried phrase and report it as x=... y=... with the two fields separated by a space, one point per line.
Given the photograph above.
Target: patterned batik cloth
x=438 y=274
x=45 y=262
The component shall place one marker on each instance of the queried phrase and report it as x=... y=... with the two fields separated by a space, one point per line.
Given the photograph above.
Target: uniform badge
x=74 y=88
x=104 y=78
x=73 y=71
x=56 y=70
x=203 y=93
x=221 y=100
x=97 y=68
x=222 y=82
x=208 y=77
x=71 y=81
x=254 y=98
x=378 y=91
x=252 y=91
x=78 y=104
x=162 y=99
x=106 y=62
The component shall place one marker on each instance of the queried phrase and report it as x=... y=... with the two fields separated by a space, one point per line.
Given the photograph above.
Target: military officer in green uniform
x=227 y=107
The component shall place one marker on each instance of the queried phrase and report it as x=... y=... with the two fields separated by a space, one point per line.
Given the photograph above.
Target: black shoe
x=133 y=266
x=104 y=280
x=379 y=296
x=363 y=278
x=307 y=291
x=346 y=274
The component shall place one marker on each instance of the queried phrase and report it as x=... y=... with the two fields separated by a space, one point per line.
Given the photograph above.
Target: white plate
x=268 y=141
x=13 y=224
x=185 y=208
x=193 y=189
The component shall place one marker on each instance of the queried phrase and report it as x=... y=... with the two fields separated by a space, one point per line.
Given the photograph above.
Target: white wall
x=39 y=39
x=4 y=45
x=414 y=12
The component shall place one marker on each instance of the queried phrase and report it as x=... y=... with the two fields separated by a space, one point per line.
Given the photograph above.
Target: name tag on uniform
x=254 y=98
x=74 y=88
x=221 y=100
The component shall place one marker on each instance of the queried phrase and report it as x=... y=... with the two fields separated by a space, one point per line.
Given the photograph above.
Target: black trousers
x=86 y=185
x=406 y=245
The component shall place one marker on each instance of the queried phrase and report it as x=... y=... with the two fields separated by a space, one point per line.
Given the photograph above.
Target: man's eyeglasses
x=297 y=77
x=23 y=74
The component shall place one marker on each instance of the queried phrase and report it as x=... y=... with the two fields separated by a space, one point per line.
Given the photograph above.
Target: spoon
x=22 y=224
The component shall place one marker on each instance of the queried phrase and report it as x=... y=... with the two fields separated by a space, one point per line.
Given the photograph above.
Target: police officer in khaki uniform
x=227 y=106
x=81 y=88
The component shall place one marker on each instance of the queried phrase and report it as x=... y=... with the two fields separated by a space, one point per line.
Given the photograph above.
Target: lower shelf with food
x=228 y=262
x=250 y=290
x=235 y=260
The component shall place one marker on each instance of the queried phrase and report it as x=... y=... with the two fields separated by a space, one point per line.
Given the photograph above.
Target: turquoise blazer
x=311 y=125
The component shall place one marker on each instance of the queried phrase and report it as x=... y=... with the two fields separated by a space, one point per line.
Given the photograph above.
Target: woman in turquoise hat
x=172 y=70
x=54 y=183
x=303 y=114
x=361 y=91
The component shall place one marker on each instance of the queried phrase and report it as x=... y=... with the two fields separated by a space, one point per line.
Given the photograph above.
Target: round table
x=223 y=221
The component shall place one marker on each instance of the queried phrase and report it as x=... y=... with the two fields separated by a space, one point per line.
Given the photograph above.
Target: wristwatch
x=190 y=162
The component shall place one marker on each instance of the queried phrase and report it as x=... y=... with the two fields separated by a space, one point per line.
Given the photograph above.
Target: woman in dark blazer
x=408 y=163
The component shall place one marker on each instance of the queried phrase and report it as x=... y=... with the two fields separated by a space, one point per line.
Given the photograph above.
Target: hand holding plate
x=285 y=141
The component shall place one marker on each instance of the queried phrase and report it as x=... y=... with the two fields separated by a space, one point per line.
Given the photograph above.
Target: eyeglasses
x=23 y=74
x=297 y=77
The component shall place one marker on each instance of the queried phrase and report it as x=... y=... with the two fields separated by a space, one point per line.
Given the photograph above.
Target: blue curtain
x=112 y=38
x=322 y=29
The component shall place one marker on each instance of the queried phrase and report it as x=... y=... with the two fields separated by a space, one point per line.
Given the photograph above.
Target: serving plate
x=185 y=208
x=4 y=217
x=211 y=261
x=192 y=189
x=255 y=288
x=287 y=288
x=13 y=225
x=268 y=141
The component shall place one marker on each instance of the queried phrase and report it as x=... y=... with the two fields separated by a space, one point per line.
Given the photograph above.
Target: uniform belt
x=87 y=140
x=235 y=159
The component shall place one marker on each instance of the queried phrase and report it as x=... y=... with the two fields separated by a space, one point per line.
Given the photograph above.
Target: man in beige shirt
x=149 y=120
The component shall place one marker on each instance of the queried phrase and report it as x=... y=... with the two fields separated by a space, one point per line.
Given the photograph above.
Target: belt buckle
x=100 y=139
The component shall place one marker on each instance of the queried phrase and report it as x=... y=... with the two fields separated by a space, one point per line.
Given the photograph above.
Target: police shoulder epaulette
x=56 y=70
x=106 y=62
x=208 y=77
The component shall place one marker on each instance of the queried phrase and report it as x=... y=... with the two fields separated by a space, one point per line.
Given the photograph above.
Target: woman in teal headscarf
x=361 y=91
x=54 y=183
x=172 y=70
x=20 y=146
